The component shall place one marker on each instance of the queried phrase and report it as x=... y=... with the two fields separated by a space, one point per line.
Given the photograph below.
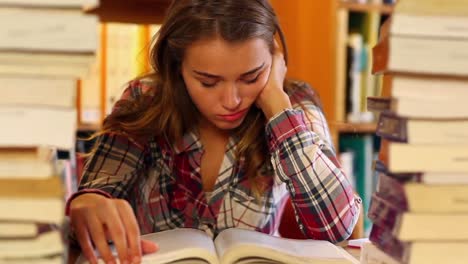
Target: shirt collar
x=189 y=142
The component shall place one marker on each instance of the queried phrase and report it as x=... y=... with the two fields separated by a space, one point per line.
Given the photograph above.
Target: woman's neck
x=209 y=133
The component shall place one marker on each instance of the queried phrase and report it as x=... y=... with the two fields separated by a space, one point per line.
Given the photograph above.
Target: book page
x=238 y=244
x=180 y=245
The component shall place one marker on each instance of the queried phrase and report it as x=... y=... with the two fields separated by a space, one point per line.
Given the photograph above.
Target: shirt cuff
x=283 y=126
x=96 y=191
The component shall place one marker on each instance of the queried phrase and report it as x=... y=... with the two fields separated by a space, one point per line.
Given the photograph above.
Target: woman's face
x=224 y=79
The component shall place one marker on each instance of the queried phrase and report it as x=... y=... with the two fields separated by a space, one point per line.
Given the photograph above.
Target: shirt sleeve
x=303 y=157
x=117 y=159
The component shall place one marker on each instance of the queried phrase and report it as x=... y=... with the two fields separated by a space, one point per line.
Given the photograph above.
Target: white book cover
x=48 y=30
x=34 y=126
x=38 y=91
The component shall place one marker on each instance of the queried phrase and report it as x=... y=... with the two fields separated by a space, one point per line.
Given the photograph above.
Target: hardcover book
x=234 y=245
x=421 y=131
x=408 y=226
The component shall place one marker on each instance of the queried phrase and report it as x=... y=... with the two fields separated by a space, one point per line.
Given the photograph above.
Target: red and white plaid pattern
x=162 y=182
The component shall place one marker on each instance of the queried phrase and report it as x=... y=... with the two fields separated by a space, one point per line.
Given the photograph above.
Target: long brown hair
x=170 y=112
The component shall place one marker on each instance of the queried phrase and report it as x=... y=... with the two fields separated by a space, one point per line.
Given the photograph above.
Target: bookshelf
x=317 y=43
x=356 y=128
x=357 y=7
x=136 y=11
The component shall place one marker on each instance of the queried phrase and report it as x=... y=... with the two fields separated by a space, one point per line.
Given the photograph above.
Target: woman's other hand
x=273 y=99
x=97 y=219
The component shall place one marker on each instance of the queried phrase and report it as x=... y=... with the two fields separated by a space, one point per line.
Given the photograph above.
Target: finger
x=117 y=232
x=83 y=237
x=132 y=230
x=276 y=45
x=96 y=230
x=148 y=247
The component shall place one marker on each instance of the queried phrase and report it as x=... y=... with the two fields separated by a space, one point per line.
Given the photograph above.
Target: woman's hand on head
x=97 y=219
x=273 y=99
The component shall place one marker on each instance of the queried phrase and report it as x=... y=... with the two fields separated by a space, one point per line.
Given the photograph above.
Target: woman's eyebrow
x=209 y=75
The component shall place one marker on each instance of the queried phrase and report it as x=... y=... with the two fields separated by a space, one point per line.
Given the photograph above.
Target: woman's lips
x=235 y=116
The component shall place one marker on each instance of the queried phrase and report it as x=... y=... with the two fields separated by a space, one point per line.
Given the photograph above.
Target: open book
x=239 y=246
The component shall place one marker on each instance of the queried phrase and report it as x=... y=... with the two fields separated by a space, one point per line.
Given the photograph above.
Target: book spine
x=380 y=53
x=404 y=177
x=387 y=84
x=385 y=28
x=384 y=240
x=392 y=127
x=378 y=104
x=393 y=190
x=383 y=213
x=33 y=188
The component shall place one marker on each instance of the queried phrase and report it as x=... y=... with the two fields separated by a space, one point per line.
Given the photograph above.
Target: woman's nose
x=231 y=98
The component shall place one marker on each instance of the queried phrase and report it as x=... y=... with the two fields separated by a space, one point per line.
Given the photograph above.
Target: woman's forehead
x=216 y=54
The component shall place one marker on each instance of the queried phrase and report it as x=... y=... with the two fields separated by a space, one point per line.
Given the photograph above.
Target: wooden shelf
x=88 y=127
x=364 y=8
x=134 y=11
x=356 y=128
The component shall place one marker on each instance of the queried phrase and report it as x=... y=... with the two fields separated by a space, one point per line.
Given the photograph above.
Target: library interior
x=69 y=71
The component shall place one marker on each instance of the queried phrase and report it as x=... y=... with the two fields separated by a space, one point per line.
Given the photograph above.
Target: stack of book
x=31 y=206
x=46 y=38
x=45 y=46
x=420 y=209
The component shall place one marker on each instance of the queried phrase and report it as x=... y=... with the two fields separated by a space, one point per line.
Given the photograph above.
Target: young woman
x=215 y=138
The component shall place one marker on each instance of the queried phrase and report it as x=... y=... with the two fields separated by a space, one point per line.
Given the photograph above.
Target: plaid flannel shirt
x=162 y=180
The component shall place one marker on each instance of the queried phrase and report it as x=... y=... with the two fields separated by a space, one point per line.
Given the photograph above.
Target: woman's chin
x=228 y=125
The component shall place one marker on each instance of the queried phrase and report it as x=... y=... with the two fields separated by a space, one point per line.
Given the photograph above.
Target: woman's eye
x=252 y=80
x=208 y=85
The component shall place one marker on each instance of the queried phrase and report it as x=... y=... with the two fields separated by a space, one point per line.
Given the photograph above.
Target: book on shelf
x=419 y=197
x=432 y=7
x=238 y=246
x=362 y=147
x=38 y=91
x=421 y=131
x=415 y=252
x=437 y=56
x=39 y=58
x=52 y=70
x=357 y=33
x=23 y=230
x=403 y=158
x=414 y=96
x=45 y=243
x=414 y=24
x=410 y=226
x=47 y=209
x=32 y=188
x=24 y=126
x=48 y=30
x=433 y=88
x=126 y=57
x=27 y=163
x=49 y=41
x=371 y=254
x=418 y=107
x=384 y=240
x=425 y=177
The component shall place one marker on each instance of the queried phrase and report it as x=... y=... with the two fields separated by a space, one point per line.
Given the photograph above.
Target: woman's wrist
x=275 y=105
